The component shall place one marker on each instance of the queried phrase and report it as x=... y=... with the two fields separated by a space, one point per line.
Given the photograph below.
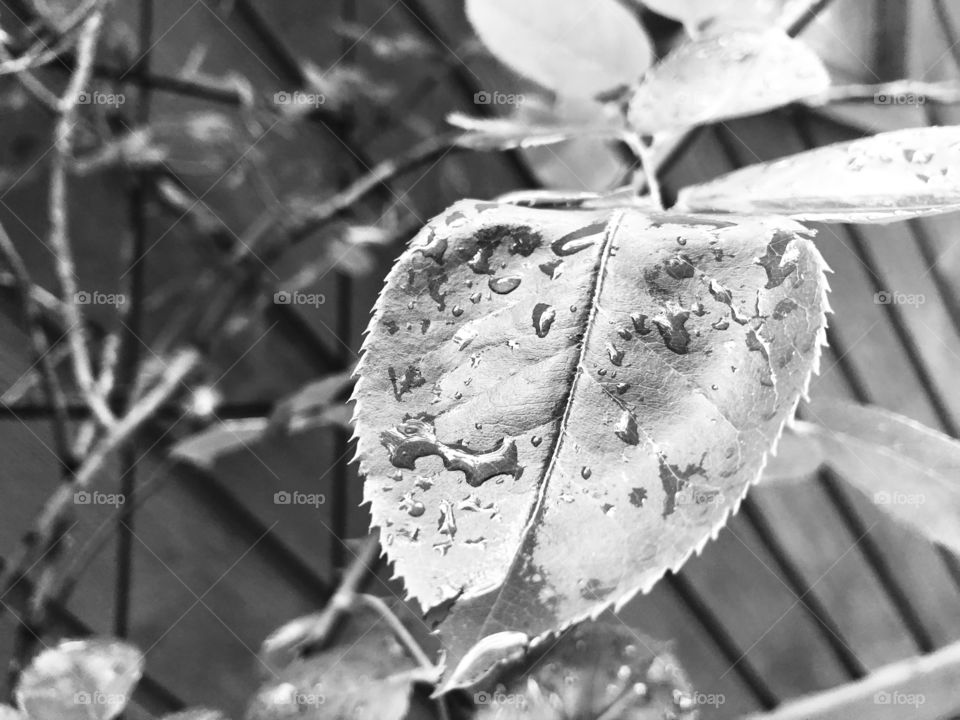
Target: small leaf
x=313 y=405
x=892 y=176
x=515 y=132
x=593 y=394
x=80 y=680
x=365 y=675
x=595 y=669
x=316 y=404
x=587 y=161
x=567 y=46
x=741 y=72
x=799 y=454
x=907 y=469
x=205 y=447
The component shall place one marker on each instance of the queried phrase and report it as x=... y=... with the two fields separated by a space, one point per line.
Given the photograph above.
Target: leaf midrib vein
x=595 y=292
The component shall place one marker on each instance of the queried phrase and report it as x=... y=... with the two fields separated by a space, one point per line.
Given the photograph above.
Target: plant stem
x=59 y=237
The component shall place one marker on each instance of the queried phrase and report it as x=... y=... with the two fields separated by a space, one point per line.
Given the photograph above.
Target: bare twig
x=797 y=22
x=39 y=53
x=342 y=600
x=942 y=93
x=426 y=151
x=949 y=32
x=45 y=532
x=59 y=239
x=397 y=628
x=33 y=316
x=60 y=589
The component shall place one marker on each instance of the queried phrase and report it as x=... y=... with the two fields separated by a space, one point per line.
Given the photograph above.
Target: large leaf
x=741 y=72
x=907 y=469
x=556 y=407
x=595 y=670
x=80 y=680
x=568 y=46
x=887 y=177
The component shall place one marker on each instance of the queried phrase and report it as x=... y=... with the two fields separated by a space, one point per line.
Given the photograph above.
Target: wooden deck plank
x=739 y=579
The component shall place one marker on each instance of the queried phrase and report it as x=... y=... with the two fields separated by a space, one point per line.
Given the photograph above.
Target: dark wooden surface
x=808 y=587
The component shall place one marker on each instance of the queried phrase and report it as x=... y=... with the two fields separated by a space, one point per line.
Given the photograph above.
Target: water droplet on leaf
x=543 y=317
x=504 y=285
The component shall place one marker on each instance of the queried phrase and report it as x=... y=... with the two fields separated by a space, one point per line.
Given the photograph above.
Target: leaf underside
x=556 y=407
x=564 y=45
x=887 y=177
x=909 y=470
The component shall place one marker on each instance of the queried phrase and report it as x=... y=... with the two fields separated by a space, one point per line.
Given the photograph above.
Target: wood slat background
x=808 y=587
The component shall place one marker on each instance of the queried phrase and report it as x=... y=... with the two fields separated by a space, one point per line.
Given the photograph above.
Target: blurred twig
x=59 y=237
x=33 y=316
x=46 y=530
x=943 y=93
x=945 y=21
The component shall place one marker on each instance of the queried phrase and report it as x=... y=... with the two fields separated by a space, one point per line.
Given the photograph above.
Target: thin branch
x=916 y=91
x=39 y=53
x=61 y=588
x=59 y=239
x=428 y=150
x=46 y=530
x=344 y=597
x=397 y=628
x=796 y=23
x=33 y=316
